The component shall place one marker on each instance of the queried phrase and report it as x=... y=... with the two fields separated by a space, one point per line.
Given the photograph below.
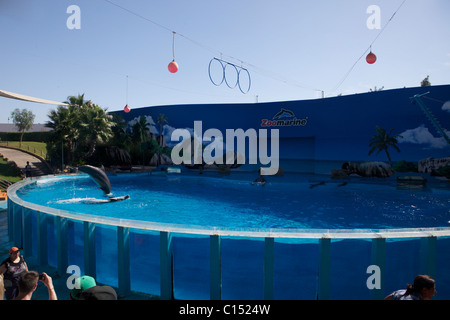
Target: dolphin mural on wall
x=100 y=178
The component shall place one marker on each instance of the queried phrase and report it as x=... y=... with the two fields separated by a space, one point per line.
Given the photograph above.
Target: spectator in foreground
x=86 y=288
x=28 y=282
x=81 y=284
x=11 y=269
x=423 y=288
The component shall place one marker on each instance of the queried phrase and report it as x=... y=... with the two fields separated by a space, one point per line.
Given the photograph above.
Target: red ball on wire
x=371 y=58
x=173 y=66
x=127 y=109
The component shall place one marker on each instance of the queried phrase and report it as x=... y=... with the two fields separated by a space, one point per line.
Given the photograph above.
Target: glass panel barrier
x=191 y=267
x=106 y=255
x=296 y=269
x=144 y=261
x=242 y=268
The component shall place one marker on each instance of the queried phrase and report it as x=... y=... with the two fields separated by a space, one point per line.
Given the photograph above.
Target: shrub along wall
x=40 y=136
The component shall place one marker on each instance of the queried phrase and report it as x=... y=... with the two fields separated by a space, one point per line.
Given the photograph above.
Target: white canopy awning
x=17 y=96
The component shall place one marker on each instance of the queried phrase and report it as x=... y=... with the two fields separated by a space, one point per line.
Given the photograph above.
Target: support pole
x=215 y=267
x=42 y=238
x=90 y=264
x=324 y=269
x=269 y=245
x=378 y=258
x=123 y=255
x=166 y=265
x=428 y=247
x=27 y=232
x=62 y=246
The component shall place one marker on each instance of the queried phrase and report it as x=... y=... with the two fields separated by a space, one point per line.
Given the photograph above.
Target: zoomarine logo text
x=284 y=118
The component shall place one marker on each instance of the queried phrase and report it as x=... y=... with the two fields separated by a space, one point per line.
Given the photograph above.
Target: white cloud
x=149 y=120
x=446 y=106
x=167 y=131
x=421 y=135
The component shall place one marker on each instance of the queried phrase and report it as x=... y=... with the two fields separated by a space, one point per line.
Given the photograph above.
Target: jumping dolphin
x=100 y=178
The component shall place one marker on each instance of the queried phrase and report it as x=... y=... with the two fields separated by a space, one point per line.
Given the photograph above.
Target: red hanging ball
x=173 y=67
x=127 y=109
x=371 y=58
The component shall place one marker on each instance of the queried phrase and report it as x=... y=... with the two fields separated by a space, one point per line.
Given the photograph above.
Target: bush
x=40 y=136
x=405 y=166
x=444 y=171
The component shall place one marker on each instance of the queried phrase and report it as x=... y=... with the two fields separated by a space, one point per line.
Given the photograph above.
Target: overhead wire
x=369 y=48
x=215 y=51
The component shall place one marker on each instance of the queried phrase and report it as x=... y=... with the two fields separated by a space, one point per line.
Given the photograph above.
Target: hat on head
x=81 y=284
x=13 y=249
x=99 y=293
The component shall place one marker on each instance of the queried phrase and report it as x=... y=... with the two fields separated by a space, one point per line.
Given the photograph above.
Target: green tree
x=161 y=121
x=382 y=141
x=141 y=129
x=82 y=124
x=95 y=126
x=23 y=119
x=122 y=135
x=376 y=89
x=425 y=82
x=65 y=123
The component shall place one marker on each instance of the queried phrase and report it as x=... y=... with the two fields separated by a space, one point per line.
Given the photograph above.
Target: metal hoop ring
x=237 y=75
x=223 y=72
x=249 y=80
x=238 y=70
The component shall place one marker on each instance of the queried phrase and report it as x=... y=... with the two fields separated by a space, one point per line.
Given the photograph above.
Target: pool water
x=294 y=201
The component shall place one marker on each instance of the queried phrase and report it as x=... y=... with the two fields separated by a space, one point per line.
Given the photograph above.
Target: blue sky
x=293 y=49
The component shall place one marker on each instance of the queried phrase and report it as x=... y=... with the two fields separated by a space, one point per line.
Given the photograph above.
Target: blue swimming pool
x=210 y=235
x=303 y=202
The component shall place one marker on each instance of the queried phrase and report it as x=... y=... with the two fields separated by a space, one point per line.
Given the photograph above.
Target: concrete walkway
x=38 y=168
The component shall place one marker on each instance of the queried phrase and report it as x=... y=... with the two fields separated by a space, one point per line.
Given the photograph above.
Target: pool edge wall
x=177 y=262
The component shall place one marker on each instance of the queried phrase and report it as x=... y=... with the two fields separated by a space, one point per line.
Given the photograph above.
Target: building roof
x=10 y=127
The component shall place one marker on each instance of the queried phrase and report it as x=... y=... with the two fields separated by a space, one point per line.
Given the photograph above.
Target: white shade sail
x=22 y=97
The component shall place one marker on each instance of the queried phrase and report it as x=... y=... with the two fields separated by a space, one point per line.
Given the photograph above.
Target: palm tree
x=64 y=121
x=161 y=120
x=95 y=126
x=76 y=101
x=141 y=129
x=122 y=135
x=382 y=141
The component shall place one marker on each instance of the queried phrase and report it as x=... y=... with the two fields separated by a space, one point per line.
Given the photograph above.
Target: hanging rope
x=173 y=45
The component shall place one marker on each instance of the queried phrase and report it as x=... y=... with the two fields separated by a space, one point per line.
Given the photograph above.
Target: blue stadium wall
x=319 y=135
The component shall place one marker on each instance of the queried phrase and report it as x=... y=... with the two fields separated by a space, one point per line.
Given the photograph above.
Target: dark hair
x=420 y=282
x=27 y=281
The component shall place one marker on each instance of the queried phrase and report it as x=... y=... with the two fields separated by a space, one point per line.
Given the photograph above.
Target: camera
x=41 y=277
